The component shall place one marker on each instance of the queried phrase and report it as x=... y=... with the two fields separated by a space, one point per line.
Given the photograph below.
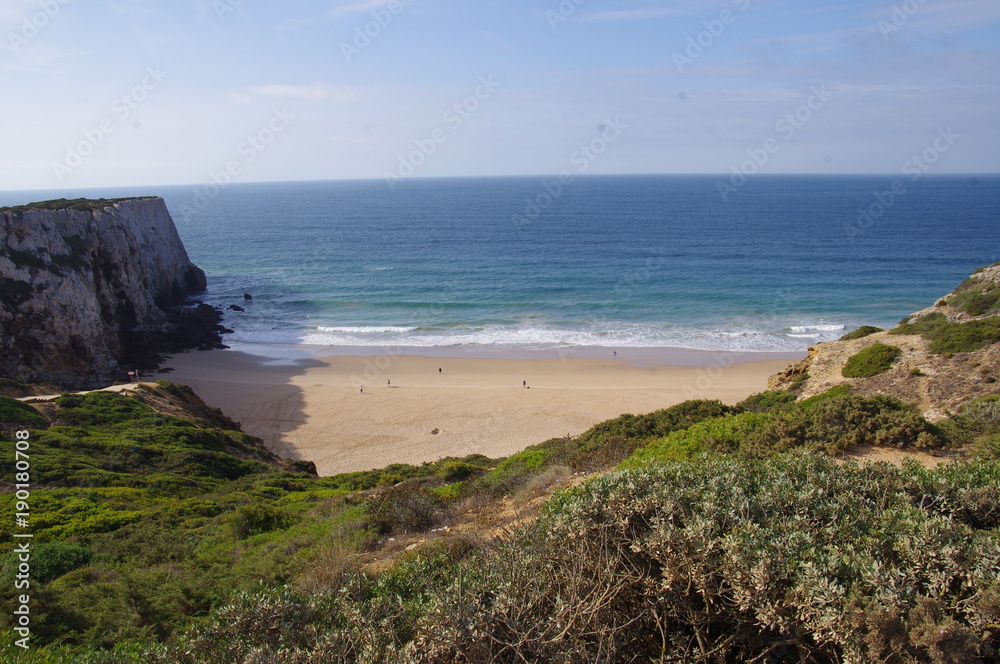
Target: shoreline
x=307 y=403
x=640 y=355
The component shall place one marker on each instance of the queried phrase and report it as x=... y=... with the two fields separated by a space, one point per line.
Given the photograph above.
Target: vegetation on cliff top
x=162 y=536
x=947 y=337
x=976 y=296
x=78 y=204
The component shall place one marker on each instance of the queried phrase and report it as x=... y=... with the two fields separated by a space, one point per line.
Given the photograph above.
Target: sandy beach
x=416 y=408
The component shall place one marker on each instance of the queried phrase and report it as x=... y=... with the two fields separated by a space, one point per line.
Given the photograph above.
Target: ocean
x=525 y=264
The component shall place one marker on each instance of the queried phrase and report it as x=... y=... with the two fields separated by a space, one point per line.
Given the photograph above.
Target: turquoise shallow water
x=623 y=261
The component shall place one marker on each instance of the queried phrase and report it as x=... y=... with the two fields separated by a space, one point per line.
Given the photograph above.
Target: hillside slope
x=948 y=353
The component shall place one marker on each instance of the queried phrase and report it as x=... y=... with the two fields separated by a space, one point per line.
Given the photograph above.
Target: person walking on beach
x=387 y=383
x=362 y=389
x=524 y=383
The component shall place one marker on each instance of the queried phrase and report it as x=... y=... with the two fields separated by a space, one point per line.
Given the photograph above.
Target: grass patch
x=871 y=361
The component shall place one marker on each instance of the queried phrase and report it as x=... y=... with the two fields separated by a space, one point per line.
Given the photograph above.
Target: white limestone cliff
x=92 y=289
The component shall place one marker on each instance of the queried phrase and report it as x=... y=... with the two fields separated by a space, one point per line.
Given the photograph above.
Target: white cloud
x=316 y=91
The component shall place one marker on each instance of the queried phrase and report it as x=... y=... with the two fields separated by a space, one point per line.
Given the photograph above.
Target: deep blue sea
x=610 y=261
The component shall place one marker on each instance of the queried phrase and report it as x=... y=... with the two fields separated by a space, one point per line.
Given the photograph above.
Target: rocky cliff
x=938 y=358
x=90 y=289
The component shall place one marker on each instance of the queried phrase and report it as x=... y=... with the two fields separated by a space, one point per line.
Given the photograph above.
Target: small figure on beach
x=616 y=355
x=362 y=389
x=524 y=383
x=439 y=369
x=387 y=383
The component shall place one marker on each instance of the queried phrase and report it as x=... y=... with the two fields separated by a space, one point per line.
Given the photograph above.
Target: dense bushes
x=714 y=545
x=832 y=423
x=14 y=413
x=871 y=361
x=952 y=337
x=797 y=559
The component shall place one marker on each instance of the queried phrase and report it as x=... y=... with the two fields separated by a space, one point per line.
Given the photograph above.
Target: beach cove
x=422 y=407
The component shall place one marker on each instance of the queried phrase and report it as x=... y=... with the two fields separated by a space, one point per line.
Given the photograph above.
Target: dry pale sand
x=312 y=408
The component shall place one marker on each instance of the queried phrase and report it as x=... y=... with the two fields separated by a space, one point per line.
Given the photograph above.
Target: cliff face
x=949 y=353
x=91 y=289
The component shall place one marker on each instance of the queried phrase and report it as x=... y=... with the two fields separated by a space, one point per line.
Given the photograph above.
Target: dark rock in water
x=235 y=307
x=247 y=296
x=89 y=288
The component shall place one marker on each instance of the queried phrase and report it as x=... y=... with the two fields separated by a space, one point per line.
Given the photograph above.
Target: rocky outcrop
x=937 y=382
x=91 y=289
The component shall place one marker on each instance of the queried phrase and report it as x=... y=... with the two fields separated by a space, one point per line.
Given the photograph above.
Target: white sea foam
x=365 y=330
x=533 y=335
x=824 y=327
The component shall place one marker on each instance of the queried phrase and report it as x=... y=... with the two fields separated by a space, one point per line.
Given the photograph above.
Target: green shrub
x=976 y=297
x=986 y=446
x=255 y=519
x=719 y=435
x=832 y=393
x=12 y=388
x=99 y=409
x=861 y=332
x=770 y=401
x=832 y=422
x=406 y=507
x=966 y=337
x=871 y=361
x=14 y=412
x=947 y=338
x=458 y=471
x=49 y=560
x=837 y=424
x=925 y=326
x=734 y=559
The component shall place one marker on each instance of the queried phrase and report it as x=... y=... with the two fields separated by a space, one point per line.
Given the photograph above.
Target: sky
x=102 y=93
